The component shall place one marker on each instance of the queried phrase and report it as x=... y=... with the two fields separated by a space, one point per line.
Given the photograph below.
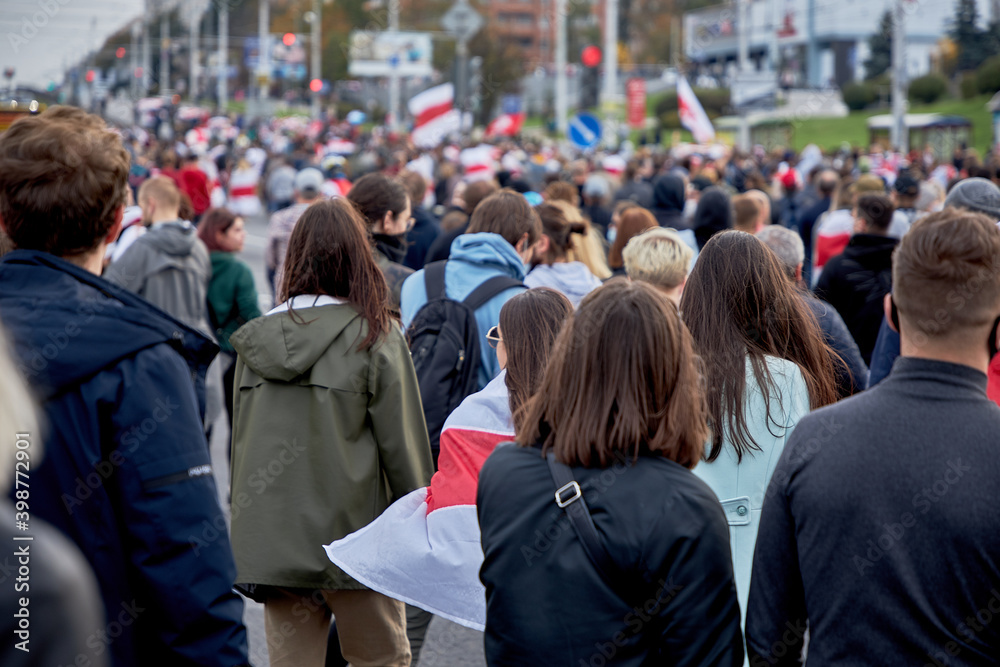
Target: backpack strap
x=489 y=289
x=569 y=496
x=434 y=280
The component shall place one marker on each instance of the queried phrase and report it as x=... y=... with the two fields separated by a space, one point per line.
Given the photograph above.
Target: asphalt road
x=447 y=644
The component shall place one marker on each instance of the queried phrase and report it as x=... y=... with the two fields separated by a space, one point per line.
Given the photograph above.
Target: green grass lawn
x=828 y=133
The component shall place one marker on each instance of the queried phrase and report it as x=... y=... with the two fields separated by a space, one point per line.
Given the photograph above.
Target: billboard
x=378 y=53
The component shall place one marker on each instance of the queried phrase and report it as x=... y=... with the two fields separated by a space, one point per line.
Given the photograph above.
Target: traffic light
x=316 y=85
x=120 y=52
x=90 y=76
x=288 y=39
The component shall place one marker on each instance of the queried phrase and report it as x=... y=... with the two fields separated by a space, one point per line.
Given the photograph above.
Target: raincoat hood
x=488 y=249
x=573 y=279
x=174 y=238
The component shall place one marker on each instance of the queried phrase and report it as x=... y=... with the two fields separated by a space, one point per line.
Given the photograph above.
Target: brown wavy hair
x=329 y=253
x=622 y=381
x=632 y=221
x=559 y=228
x=529 y=324
x=215 y=221
x=738 y=303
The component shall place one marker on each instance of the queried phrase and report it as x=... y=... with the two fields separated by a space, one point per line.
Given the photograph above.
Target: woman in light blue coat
x=766 y=365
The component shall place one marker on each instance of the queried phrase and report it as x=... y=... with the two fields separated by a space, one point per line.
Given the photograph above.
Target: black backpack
x=444 y=342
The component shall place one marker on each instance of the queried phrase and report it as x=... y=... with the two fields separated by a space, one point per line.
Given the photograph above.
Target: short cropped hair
x=63 y=178
x=786 y=244
x=508 y=214
x=659 y=257
x=162 y=189
x=946 y=274
x=746 y=210
x=876 y=211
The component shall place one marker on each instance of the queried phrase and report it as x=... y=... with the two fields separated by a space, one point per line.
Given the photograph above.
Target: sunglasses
x=493 y=336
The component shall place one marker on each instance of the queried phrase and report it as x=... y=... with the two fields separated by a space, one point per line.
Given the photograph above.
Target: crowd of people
x=679 y=407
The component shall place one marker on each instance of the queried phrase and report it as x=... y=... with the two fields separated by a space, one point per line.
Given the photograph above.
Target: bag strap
x=489 y=289
x=569 y=496
x=434 y=280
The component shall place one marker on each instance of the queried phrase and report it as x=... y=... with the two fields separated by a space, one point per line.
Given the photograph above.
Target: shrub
x=858 y=96
x=988 y=76
x=968 y=85
x=927 y=89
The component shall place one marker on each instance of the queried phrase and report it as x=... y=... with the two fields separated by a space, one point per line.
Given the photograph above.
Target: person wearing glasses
x=385 y=205
x=425 y=548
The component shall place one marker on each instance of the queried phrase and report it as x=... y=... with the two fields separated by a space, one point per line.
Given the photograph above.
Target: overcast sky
x=74 y=28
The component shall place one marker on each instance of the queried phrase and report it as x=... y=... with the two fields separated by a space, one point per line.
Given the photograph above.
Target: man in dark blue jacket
x=126 y=473
x=879 y=531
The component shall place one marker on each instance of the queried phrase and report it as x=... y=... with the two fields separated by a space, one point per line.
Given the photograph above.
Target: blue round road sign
x=585 y=130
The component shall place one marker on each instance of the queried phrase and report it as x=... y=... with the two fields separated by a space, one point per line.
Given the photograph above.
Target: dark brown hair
x=632 y=221
x=508 y=214
x=63 y=179
x=622 y=381
x=416 y=186
x=529 y=324
x=876 y=211
x=374 y=195
x=329 y=253
x=215 y=221
x=738 y=303
x=476 y=192
x=562 y=191
x=559 y=229
x=946 y=274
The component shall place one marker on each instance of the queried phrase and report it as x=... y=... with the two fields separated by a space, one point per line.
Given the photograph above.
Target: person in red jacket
x=194 y=183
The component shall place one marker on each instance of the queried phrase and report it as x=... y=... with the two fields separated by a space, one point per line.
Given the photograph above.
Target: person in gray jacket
x=169 y=265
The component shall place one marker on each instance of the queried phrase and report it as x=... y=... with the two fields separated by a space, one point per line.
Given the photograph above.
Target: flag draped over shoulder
x=425 y=549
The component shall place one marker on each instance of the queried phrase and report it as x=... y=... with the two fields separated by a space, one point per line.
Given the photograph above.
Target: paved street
x=447 y=644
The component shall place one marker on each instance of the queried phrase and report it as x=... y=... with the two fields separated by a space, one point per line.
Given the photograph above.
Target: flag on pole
x=435 y=115
x=692 y=114
x=505 y=125
x=425 y=548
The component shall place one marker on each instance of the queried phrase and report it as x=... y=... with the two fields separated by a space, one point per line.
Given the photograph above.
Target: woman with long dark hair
x=714 y=214
x=232 y=295
x=386 y=208
x=620 y=410
x=766 y=364
x=328 y=429
x=431 y=559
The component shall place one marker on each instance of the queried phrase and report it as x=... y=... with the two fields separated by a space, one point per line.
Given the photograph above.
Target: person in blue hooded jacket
x=126 y=473
x=500 y=239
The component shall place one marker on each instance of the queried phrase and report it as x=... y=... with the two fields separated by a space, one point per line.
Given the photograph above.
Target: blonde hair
x=17 y=416
x=161 y=189
x=659 y=257
x=586 y=247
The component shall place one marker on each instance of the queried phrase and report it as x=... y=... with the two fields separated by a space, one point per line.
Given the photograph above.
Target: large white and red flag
x=693 y=116
x=505 y=125
x=425 y=548
x=434 y=115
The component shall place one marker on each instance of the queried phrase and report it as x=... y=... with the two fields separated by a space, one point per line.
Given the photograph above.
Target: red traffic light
x=315 y=85
x=120 y=52
x=591 y=56
x=288 y=39
x=90 y=76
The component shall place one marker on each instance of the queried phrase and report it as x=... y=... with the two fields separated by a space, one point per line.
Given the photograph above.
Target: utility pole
x=394 y=67
x=899 y=136
x=610 y=58
x=165 y=53
x=742 y=58
x=221 y=82
x=264 y=59
x=315 y=65
x=147 y=56
x=193 y=52
x=812 y=48
x=561 y=93
x=134 y=59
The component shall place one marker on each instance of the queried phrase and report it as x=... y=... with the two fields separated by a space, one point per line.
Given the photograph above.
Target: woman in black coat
x=622 y=408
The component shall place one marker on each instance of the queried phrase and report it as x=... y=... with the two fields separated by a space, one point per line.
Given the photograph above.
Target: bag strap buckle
x=570 y=486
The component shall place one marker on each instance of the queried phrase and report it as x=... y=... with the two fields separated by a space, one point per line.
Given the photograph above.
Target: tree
x=972 y=41
x=880 y=47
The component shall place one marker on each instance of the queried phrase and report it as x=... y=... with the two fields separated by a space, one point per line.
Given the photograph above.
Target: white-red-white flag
x=434 y=115
x=693 y=116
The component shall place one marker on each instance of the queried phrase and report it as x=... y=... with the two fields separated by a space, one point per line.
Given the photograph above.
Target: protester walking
x=550 y=266
x=766 y=365
x=616 y=425
x=328 y=408
x=307 y=188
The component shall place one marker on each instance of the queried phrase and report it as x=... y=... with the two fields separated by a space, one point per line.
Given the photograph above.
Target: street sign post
x=462 y=22
x=585 y=131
